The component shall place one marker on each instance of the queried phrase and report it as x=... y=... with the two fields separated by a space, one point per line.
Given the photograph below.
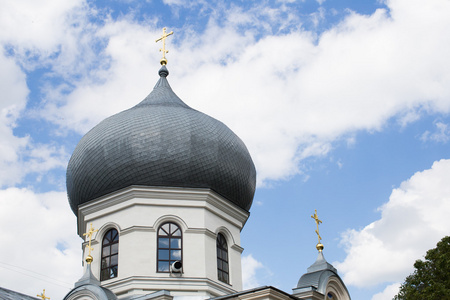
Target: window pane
x=166 y=228
x=219 y=264
x=114 y=260
x=105 y=262
x=225 y=255
x=175 y=243
x=225 y=266
x=175 y=254
x=105 y=251
x=221 y=241
x=113 y=272
x=163 y=243
x=176 y=232
x=163 y=254
x=115 y=248
x=225 y=277
x=114 y=235
x=163 y=266
x=107 y=238
x=104 y=275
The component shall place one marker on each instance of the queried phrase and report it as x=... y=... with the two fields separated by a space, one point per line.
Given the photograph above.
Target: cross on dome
x=163 y=60
x=89 y=258
x=42 y=295
x=319 y=245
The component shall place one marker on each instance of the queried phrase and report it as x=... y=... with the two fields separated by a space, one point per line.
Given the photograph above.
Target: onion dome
x=161 y=142
x=320 y=276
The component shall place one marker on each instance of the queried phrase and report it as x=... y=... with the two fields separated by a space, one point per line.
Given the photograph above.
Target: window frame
x=221 y=248
x=113 y=236
x=171 y=237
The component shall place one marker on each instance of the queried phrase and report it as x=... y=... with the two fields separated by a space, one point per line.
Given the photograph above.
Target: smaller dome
x=161 y=142
x=322 y=277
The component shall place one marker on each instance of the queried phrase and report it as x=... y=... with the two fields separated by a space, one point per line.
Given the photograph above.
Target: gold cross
x=42 y=296
x=89 y=234
x=163 y=60
x=316 y=218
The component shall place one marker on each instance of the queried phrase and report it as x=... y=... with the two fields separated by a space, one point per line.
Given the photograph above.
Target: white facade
x=137 y=212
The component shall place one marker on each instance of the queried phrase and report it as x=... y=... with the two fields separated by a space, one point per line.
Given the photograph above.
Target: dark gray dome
x=161 y=142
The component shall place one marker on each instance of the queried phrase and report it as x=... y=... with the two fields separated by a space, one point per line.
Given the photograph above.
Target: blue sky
x=344 y=106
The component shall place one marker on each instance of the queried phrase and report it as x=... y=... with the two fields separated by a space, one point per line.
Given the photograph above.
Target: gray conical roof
x=89 y=284
x=318 y=276
x=161 y=142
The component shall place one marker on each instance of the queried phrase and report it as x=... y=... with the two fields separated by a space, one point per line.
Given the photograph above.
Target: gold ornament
x=319 y=245
x=163 y=60
x=89 y=258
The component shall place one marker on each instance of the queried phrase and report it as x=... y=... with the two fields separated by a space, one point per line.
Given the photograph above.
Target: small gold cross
x=163 y=60
x=316 y=218
x=89 y=234
x=42 y=296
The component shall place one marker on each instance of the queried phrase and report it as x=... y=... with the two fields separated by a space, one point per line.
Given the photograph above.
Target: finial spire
x=163 y=60
x=42 y=295
x=319 y=245
x=89 y=258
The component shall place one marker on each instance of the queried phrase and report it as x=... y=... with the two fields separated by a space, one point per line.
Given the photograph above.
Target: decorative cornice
x=193 y=284
x=206 y=232
x=137 y=228
x=237 y=248
x=157 y=196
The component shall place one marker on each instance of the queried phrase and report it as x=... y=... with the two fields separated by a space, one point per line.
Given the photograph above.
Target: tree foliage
x=431 y=277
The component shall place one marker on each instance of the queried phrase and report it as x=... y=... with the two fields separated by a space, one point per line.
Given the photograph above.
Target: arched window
x=222 y=258
x=110 y=255
x=169 y=246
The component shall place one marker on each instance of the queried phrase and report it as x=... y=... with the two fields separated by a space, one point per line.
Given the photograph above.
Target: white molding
x=150 y=283
x=204 y=231
x=170 y=218
x=237 y=248
x=226 y=232
x=160 y=196
x=137 y=228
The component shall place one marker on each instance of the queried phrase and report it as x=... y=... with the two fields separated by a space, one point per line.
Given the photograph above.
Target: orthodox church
x=161 y=193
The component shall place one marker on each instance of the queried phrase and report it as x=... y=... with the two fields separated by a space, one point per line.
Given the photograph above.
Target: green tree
x=431 y=277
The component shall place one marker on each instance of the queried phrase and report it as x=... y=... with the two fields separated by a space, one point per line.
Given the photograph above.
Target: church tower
x=169 y=190
x=321 y=281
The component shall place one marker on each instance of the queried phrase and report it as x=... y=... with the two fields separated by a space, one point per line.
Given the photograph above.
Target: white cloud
x=29 y=25
x=318 y=16
x=249 y=268
x=413 y=220
x=112 y=88
x=388 y=292
x=40 y=248
x=442 y=134
x=30 y=35
x=14 y=91
x=42 y=158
